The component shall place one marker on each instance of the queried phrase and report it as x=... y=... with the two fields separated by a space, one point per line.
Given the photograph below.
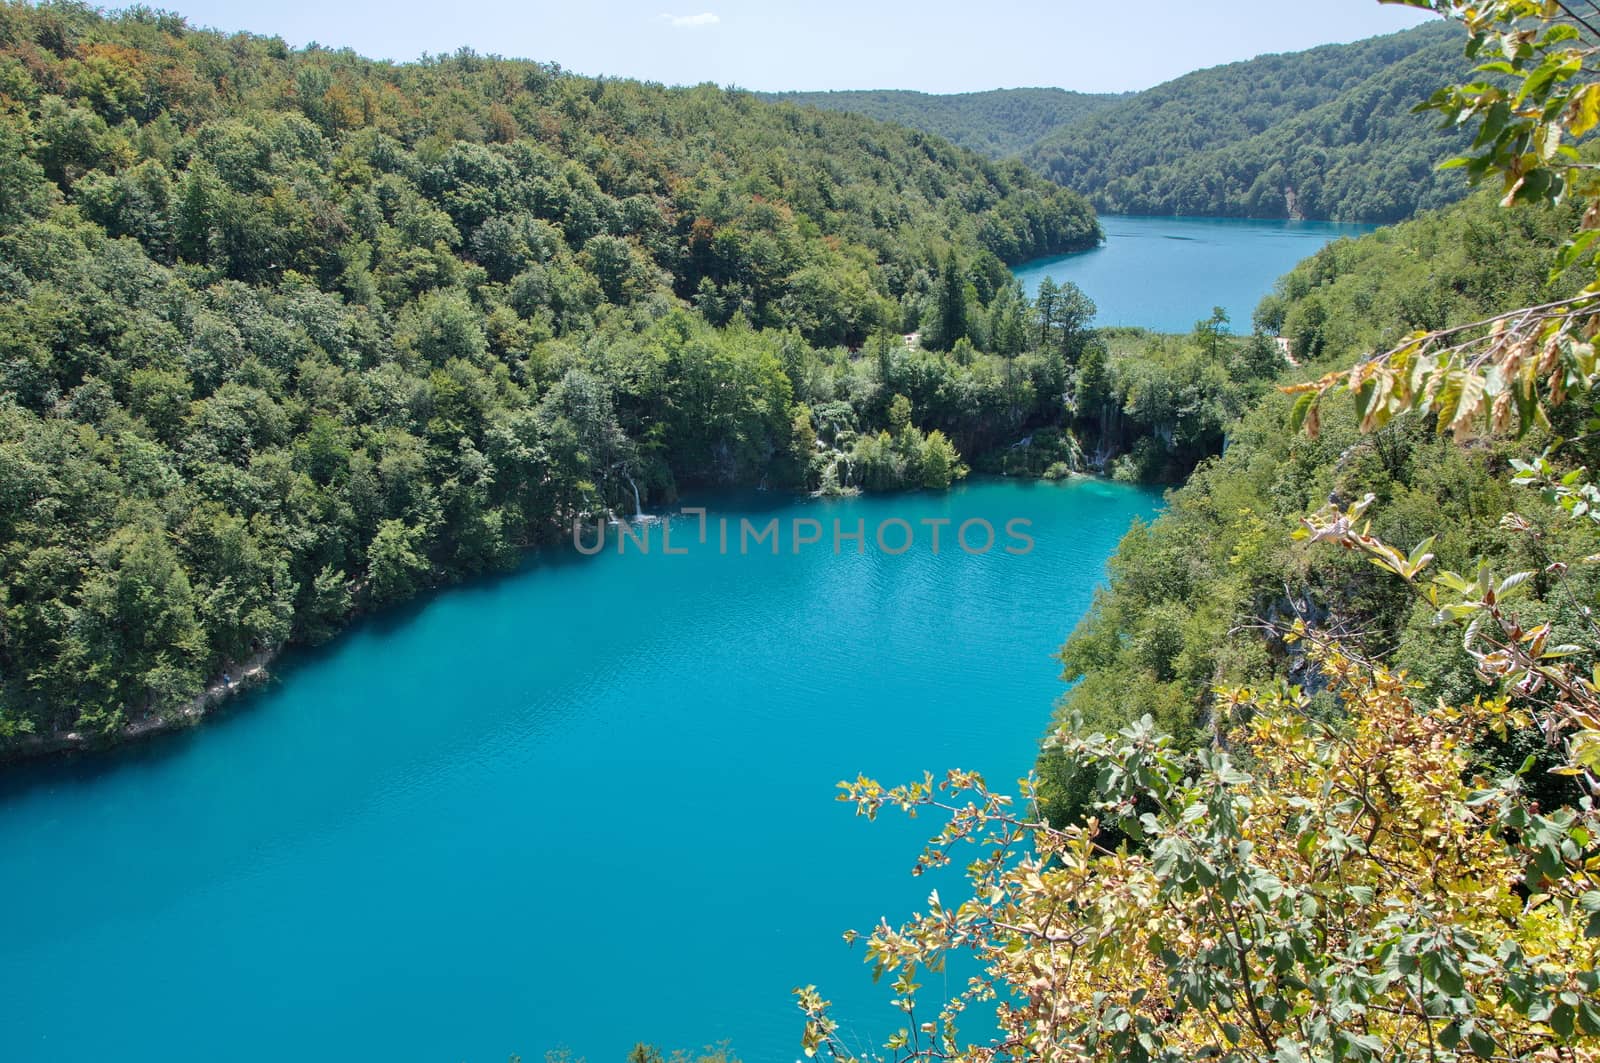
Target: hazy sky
x=932 y=45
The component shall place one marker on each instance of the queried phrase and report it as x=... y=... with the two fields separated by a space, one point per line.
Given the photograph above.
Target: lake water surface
x=584 y=805
x=1167 y=273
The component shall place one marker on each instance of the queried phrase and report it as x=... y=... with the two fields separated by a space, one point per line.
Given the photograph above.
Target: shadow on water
x=142 y=755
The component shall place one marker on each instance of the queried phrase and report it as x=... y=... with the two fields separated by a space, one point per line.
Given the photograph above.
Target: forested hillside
x=1327 y=133
x=1195 y=595
x=286 y=334
x=1329 y=797
x=998 y=123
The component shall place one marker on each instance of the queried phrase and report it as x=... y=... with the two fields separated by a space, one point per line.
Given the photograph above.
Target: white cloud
x=691 y=22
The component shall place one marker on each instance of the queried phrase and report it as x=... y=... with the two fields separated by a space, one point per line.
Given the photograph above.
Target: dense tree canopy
x=998 y=123
x=288 y=333
x=1327 y=133
x=1191 y=592
x=1335 y=802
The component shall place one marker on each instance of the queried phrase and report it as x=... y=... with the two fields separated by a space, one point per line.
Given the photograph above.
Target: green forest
x=1194 y=595
x=1327 y=133
x=287 y=334
x=1323 y=785
x=999 y=123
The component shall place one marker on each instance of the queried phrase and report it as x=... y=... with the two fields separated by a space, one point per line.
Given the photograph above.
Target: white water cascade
x=638 y=509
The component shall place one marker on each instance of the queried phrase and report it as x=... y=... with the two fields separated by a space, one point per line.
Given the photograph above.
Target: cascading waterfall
x=1074 y=452
x=1102 y=454
x=1105 y=447
x=638 y=509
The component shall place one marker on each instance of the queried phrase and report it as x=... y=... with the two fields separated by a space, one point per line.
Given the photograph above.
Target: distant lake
x=1167 y=273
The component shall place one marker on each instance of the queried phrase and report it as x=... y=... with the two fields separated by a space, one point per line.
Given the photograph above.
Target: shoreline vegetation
x=1161 y=445
x=254 y=673
x=290 y=336
x=841 y=468
x=244 y=679
x=1200 y=599
x=286 y=335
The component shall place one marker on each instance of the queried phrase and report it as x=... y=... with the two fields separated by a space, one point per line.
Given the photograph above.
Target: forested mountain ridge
x=1327 y=133
x=997 y=123
x=286 y=334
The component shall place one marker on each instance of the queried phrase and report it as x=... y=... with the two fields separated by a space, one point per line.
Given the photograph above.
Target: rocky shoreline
x=251 y=673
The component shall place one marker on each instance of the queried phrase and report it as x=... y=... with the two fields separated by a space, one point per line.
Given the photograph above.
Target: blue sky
x=933 y=45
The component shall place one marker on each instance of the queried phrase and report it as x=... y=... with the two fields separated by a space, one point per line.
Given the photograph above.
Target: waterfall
x=1074 y=452
x=638 y=510
x=1103 y=452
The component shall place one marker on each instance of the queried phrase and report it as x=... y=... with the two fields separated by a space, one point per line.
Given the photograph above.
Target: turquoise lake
x=1167 y=273
x=580 y=806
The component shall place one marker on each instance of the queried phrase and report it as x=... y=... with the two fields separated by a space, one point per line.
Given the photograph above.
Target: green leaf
x=1302 y=406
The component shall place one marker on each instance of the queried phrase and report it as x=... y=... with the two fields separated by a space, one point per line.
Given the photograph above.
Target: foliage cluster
x=1357 y=889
